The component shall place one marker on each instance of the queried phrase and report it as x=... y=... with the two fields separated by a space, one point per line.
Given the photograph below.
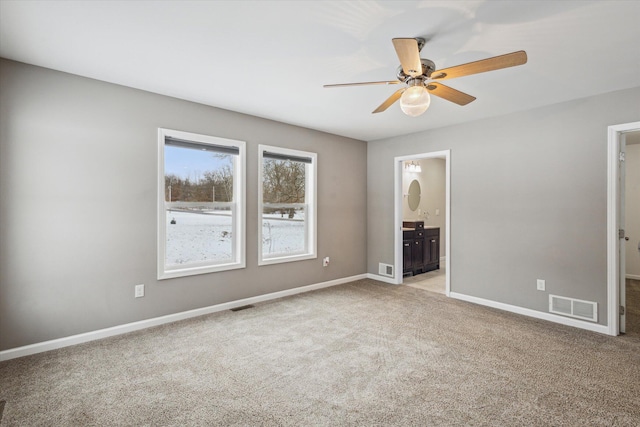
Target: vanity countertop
x=413 y=229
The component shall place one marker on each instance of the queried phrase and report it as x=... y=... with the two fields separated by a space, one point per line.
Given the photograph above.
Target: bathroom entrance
x=422 y=218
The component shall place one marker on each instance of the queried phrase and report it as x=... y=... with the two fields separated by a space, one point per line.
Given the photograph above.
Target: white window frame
x=238 y=207
x=311 y=211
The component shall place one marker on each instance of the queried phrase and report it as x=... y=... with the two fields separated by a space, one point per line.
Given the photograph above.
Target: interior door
x=621 y=241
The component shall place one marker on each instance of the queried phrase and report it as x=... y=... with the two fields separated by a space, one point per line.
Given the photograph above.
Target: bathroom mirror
x=414 y=195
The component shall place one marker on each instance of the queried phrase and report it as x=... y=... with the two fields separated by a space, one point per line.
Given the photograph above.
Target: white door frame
x=398 y=214
x=613 y=241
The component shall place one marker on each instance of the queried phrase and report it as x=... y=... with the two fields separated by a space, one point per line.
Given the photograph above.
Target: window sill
x=192 y=271
x=289 y=258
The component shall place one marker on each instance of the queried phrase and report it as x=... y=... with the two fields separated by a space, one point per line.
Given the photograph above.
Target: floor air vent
x=585 y=310
x=385 y=270
x=244 y=307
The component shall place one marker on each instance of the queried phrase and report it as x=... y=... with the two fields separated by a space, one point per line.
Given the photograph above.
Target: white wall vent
x=385 y=270
x=585 y=310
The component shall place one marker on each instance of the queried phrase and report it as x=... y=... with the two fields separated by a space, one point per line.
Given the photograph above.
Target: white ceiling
x=271 y=58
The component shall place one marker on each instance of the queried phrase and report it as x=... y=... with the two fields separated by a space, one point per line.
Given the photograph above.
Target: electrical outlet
x=139 y=291
x=325 y=261
x=541 y=285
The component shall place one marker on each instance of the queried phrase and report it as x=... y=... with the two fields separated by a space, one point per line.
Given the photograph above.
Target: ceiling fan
x=422 y=78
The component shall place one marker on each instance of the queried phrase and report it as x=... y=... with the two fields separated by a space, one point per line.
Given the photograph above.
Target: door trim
x=397 y=220
x=613 y=203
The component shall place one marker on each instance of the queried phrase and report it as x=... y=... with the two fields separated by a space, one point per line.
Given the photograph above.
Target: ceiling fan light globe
x=415 y=101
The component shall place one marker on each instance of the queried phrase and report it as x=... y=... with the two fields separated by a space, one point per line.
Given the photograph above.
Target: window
x=201 y=198
x=287 y=198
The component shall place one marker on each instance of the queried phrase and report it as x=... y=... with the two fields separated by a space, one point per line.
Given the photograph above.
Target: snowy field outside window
x=282 y=235
x=198 y=236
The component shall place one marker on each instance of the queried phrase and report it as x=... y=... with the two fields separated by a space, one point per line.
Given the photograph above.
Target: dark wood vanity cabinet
x=420 y=248
x=407 y=263
x=432 y=249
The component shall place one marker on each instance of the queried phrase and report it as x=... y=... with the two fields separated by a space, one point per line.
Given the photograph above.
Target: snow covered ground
x=206 y=237
x=198 y=237
x=282 y=236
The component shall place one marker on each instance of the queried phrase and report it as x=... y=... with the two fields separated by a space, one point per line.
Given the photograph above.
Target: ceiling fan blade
x=390 y=100
x=394 y=82
x=409 y=55
x=450 y=94
x=489 y=64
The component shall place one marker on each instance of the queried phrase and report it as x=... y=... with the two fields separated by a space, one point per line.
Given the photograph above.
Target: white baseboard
x=443 y=259
x=533 y=313
x=379 y=278
x=143 y=324
x=633 y=276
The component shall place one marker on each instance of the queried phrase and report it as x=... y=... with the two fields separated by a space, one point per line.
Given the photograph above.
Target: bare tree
x=283 y=182
x=224 y=180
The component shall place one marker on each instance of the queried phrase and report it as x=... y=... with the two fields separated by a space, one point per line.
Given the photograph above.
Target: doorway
x=407 y=185
x=631 y=297
x=623 y=243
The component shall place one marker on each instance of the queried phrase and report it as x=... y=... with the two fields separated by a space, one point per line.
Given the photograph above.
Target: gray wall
x=78 y=164
x=632 y=213
x=528 y=200
x=432 y=181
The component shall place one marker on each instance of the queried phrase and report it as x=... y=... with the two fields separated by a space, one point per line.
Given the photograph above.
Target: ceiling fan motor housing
x=428 y=67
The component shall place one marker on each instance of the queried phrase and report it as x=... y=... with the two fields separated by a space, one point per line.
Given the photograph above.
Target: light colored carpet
x=363 y=353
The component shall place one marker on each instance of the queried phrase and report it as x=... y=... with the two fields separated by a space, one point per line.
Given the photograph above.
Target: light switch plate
x=139 y=291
